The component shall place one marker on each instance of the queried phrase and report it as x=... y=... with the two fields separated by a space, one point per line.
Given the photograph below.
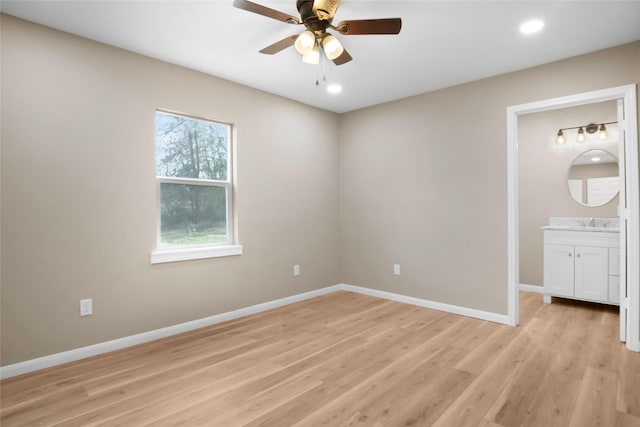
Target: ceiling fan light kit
x=305 y=42
x=332 y=47
x=312 y=56
x=316 y=16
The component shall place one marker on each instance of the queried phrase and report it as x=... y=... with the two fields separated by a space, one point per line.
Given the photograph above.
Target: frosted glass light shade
x=313 y=56
x=332 y=47
x=305 y=42
x=603 y=132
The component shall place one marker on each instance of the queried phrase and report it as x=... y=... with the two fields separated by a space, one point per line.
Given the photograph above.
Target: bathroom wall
x=543 y=171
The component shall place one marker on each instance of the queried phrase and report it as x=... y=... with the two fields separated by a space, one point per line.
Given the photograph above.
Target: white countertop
x=611 y=225
x=581 y=228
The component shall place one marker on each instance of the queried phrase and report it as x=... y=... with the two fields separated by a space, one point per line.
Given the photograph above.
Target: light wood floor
x=350 y=359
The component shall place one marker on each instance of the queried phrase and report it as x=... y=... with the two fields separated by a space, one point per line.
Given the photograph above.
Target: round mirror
x=594 y=178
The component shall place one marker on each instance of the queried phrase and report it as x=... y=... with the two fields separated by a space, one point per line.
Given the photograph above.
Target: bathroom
x=553 y=189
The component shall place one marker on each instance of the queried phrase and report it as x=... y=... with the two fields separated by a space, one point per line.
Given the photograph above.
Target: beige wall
x=420 y=182
x=423 y=180
x=79 y=194
x=543 y=168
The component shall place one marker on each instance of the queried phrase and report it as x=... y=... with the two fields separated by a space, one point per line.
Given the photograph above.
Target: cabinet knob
x=569 y=253
x=578 y=255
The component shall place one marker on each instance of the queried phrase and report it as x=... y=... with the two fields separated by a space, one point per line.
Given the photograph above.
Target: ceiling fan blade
x=370 y=26
x=280 y=45
x=343 y=58
x=265 y=11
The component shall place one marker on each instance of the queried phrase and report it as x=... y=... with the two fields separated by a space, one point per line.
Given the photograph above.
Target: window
x=195 y=189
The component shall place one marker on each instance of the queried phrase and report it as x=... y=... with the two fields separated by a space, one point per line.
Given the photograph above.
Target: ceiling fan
x=316 y=16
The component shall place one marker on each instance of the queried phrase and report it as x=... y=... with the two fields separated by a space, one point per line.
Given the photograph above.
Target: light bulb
x=603 y=132
x=560 y=138
x=332 y=47
x=305 y=42
x=313 y=56
x=580 y=135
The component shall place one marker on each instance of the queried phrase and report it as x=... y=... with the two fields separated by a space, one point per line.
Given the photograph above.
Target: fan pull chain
x=324 y=66
x=324 y=69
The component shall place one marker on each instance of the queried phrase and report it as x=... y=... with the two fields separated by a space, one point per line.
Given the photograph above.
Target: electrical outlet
x=396 y=269
x=296 y=270
x=86 y=307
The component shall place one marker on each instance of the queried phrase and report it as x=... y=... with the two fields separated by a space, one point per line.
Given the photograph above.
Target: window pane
x=192 y=214
x=191 y=148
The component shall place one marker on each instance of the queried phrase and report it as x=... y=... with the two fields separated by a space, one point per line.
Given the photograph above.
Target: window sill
x=174 y=255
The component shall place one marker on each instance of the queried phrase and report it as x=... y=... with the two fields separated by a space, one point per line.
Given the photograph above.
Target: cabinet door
x=592 y=273
x=558 y=270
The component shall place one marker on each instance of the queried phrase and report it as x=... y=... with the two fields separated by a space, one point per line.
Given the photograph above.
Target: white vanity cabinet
x=581 y=265
x=614 y=275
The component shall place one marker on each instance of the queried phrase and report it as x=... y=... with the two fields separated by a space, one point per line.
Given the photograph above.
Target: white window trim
x=175 y=253
x=191 y=253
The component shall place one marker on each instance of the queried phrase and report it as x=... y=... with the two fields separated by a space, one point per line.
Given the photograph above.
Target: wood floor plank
x=573 y=348
x=553 y=402
x=595 y=405
x=605 y=353
x=626 y=420
x=418 y=397
x=476 y=400
x=510 y=408
x=333 y=395
x=356 y=360
x=360 y=377
x=195 y=376
x=628 y=396
x=476 y=361
x=529 y=306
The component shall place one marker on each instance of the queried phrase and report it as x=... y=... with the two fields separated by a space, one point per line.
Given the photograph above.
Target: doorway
x=629 y=211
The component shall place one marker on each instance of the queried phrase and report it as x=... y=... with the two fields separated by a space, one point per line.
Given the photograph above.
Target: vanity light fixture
x=603 y=132
x=590 y=129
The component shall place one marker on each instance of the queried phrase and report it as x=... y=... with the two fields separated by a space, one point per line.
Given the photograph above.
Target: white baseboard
x=117 y=344
x=455 y=309
x=531 y=288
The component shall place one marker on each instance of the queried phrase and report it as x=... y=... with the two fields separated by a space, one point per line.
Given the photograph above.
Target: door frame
x=630 y=214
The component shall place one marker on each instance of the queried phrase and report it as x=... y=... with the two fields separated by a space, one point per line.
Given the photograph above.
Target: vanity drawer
x=582 y=238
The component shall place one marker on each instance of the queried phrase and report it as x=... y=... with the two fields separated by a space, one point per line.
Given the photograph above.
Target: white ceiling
x=442 y=43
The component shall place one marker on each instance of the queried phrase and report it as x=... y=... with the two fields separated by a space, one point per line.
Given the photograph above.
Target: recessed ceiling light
x=334 y=88
x=532 y=26
x=595 y=159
